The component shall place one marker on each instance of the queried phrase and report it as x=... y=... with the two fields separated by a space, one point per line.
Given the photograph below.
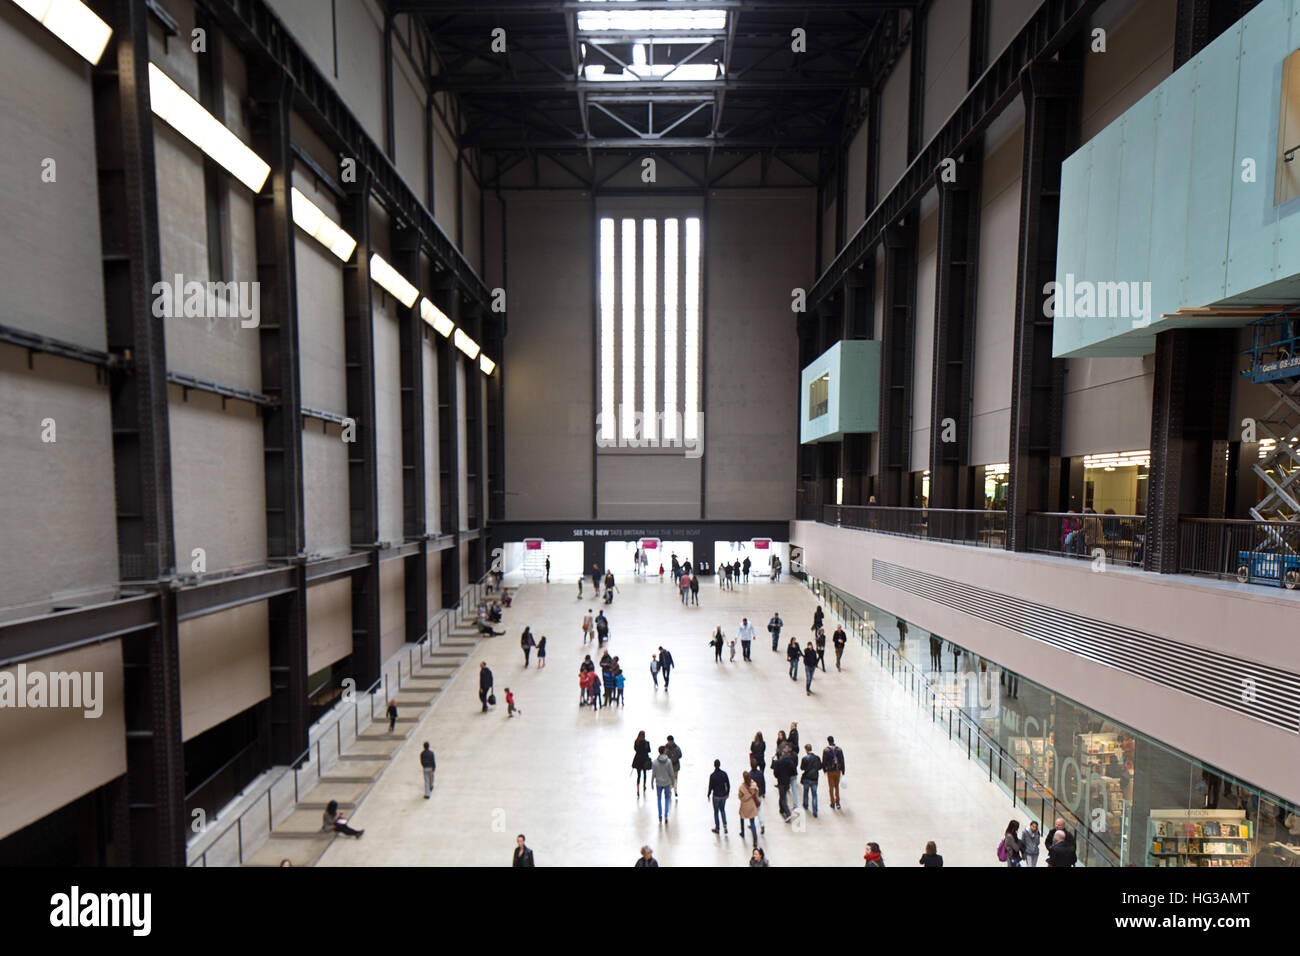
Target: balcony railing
x=1118 y=539
x=1254 y=552
x=986 y=529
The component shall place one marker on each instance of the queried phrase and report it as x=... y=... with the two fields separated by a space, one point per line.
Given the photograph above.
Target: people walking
x=392 y=715
x=774 y=628
x=523 y=855
x=756 y=774
x=839 y=639
x=541 y=652
x=666 y=666
x=427 y=766
x=833 y=765
x=821 y=647
x=654 y=669
x=818 y=616
x=695 y=589
x=485 y=685
x=810 y=766
x=809 y=667
x=936 y=652
x=579 y=589
x=511 y=709
x=746 y=635
x=548 y=569
x=719 y=790
x=792 y=657
x=956 y=653
x=793 y=739
x=1030 y=840
x=647 y=857
x=717 y=642
x=674 y=753
x=602 y=628
x=588 y=626
x=526 y=642
x=749 y=798
x=684 y=586
x=745 y=570
x=758 y=748
x=1011 y=851
x=662 y=773
x=931 y=855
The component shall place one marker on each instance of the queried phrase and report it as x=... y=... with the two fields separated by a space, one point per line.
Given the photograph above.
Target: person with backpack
x=1011 y=851
x=872 y=857
x=527 y=643
x=674 y=753
x=784 y=771
x=833 y=764
x=602 y=628
x=774 y=628
x=811 y=765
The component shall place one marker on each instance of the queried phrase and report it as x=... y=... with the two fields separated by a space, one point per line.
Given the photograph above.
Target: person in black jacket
x=523 y=855
x=931 y=855
x=641 y=761
x=758 y=749
x=647 y=857
x=821 y=647
x=810 y=765
x=719 y=790
x=428 y=765
x=839 y=639
x=392 y=715
x=1049 y=841
x=792 y=655
x=527 y=643
x=484 y=684
x=1061 y=851
x=818 y=617
x=665 y=668
x=809 y=667
x=784 y=770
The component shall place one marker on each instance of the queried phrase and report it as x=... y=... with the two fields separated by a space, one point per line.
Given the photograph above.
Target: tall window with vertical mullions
x=648 y=328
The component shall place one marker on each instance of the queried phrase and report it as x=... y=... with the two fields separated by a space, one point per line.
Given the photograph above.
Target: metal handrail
x=439 y=624
x=906 y=673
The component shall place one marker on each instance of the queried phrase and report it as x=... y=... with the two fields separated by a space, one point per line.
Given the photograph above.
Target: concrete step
x=332 y=778
x=299 y=852
x=345 y=793
x=373 y=748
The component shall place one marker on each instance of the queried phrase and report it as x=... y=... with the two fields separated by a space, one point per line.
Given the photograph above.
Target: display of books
x=1188 y=841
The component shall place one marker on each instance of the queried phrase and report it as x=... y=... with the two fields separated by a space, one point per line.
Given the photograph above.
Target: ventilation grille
x=1256 y=690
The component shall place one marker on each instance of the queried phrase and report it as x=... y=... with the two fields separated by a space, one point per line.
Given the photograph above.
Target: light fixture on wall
x=204 y=130
x=312 y=220
x=72 y=22
x=392 y=280
x=486 y=364
x=436 y=317
x=466 y=344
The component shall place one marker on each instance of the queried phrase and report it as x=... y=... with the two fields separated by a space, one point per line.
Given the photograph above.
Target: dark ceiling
x=539 y=95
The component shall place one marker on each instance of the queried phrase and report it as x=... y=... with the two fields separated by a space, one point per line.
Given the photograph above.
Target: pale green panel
x=1072 y=236
x=1173 y=159
x=1136 y=189
x=1103 y=209
x=1253 y=229
x=853 y=400
x=1209 y=194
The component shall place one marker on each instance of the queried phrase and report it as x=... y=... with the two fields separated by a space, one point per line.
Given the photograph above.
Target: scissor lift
x=1275 y=364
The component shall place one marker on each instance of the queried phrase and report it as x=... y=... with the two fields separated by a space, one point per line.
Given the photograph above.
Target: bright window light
x=392 y=280
x=687 y=72
x=313 y=221
x=466 y=344
x=670 y=330
x=691 y=296
x=649 y=354
x=72 y=22
x=204 y=130
x=486 y=364
x=606 y=15
x=628 y=340
x=436 y=317
x=607 y=425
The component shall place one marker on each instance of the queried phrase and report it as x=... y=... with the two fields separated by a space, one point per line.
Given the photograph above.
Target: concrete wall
x=1203 y=614
x=225 y=666
x=947 y=55
x=59 y=753
x=392 y=607
x=329 y=623
x=893 y=124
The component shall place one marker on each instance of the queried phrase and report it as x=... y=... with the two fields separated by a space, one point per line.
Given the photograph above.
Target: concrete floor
x=562 y=775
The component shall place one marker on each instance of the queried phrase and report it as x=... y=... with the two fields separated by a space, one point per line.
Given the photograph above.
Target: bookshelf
x=1206 y=838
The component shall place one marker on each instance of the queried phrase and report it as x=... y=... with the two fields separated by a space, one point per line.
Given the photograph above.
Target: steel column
x=124 y=148
x=1051 y=95
x=897 y=341
x=954 y=332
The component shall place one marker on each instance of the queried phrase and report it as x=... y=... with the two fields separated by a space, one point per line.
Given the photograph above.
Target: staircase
x=299 y=837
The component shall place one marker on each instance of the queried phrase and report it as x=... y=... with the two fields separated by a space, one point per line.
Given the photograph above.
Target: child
x=618 y=686
x=392 y=715
x=541 y=652
x=661 y=572
x=732 y=647
x=510 y=704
